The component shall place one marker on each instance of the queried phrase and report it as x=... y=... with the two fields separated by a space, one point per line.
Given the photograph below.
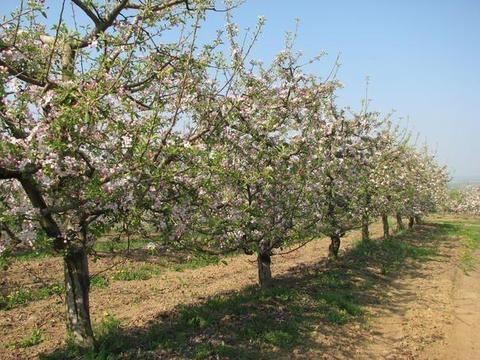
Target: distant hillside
x=459 y=182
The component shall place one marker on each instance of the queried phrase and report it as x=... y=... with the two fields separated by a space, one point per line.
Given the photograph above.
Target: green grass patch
x=108 y=334
x=470 y=245
x=120 y=245
x=7 y=258
x=35 y=338
x=23 y=297
x=468 y=233
x=196 y=262
x=392 y=252
x=144 y=272
x=34 y=255
x=99 y=281
x=241 y=326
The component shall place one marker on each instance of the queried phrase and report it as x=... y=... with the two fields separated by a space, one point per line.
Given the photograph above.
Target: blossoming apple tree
x=254 y=180
x=466 y=200
x=88 y=111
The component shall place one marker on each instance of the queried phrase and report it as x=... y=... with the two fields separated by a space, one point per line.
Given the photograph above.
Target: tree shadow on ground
x=313 y=310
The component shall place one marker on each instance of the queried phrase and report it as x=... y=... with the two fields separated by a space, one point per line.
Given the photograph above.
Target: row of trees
x=120 y=118
x=465 y=201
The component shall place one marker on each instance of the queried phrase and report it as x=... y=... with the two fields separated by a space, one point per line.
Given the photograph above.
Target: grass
x=470 y=245
x=252 y=324
x=7 y=258
x=99 y=282
x=144 y=272
x=115 y=246
x=100 y=246
x=148 y=271
x=23 y=297
x=196 y=262
x=395 y=251
x=468 y=233
x=35 y=338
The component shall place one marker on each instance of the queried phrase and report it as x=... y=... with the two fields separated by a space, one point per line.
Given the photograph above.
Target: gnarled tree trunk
x=411 y=221
x=334 y=246
x=264 y=260
x=77 y=281
x=386 y=226
x=77 y=287
x=400 y=225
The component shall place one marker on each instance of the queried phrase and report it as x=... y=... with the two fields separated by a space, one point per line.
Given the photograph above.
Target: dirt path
x=419 y=312
x=434 y=315
x=463 y=339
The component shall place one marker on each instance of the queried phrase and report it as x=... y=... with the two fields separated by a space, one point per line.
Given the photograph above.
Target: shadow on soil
x=310 y=311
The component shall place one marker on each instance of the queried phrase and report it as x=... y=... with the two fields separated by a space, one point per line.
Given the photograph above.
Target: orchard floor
x=414 y=296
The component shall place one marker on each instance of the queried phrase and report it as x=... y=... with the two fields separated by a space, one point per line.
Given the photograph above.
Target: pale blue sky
x=422 y=57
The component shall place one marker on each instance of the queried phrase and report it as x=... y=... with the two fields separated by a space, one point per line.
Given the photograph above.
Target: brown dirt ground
x=436 y=313
x=432 y=313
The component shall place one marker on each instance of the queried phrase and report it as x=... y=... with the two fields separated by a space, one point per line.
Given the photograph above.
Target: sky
x=422 y=58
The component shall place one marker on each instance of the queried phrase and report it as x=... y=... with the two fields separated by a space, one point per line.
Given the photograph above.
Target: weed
x=108 y=334
x=280 y=338
x=196 y=321
x=99 y=281
x=35 y=338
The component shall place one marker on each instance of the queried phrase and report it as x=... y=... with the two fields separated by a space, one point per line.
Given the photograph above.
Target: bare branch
x=22 y=75
x=102 y=25
x=96 y=20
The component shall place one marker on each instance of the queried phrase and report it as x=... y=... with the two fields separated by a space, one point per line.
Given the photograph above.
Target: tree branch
x=9 y=174
x=102 y=25
x=21 y=75
x=47 y=222
x=96 y=20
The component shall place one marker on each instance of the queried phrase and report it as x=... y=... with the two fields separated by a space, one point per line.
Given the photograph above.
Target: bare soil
x=430 y=310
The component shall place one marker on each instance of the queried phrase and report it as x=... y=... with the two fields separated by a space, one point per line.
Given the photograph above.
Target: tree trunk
x=365 y=229
x=386 y=226
x=411 y=221
x=400 y=225
x=75 y=261
x=264 y=272
x=77 y=287
x=334 y=246
x=264 y=261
